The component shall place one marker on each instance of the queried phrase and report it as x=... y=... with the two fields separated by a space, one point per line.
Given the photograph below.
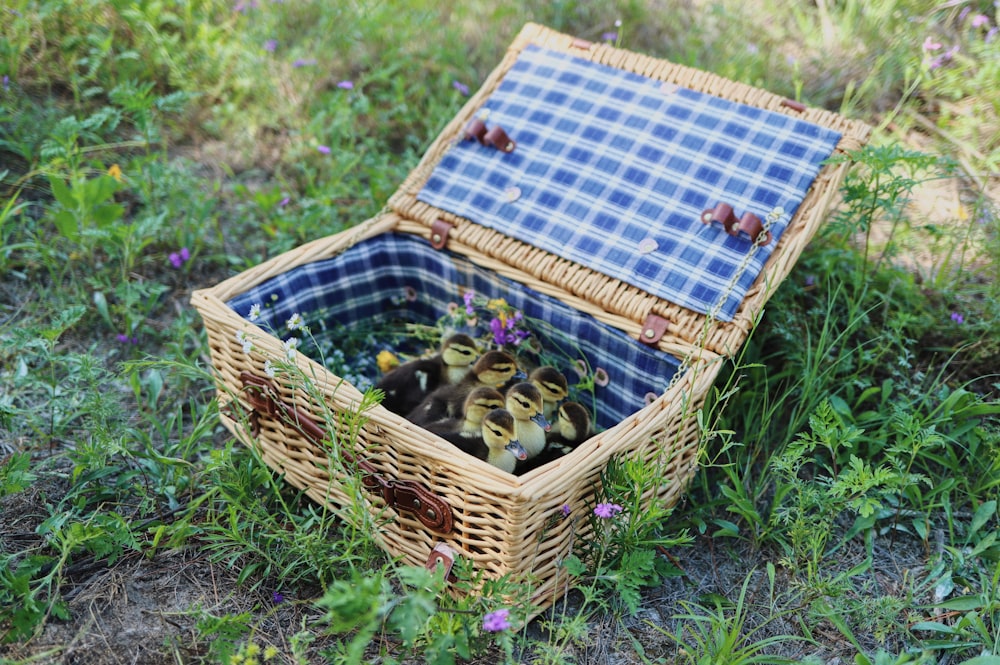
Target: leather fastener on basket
x=475 y=130
x=749 y=223
x=498 y=138
x=653 y=329
x=439 y=233
x=444 y=556
x=404 y=495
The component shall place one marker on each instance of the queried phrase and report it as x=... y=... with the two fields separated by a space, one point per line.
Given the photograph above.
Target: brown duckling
x=497 y=442
x=493 y=369
x=480 y=401
x=524 y=401
x=571 y=429
x=406 y=385
x=554 y=388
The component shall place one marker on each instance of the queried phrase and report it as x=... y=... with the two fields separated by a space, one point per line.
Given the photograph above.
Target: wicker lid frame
x=612 y=300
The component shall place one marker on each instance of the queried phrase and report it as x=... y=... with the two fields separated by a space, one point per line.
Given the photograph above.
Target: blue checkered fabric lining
x=369 y=282
x=608 y=163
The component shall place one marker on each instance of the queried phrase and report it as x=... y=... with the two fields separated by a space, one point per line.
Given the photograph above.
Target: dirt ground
x=144 y=610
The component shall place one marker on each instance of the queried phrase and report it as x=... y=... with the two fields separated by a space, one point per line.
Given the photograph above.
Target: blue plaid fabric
x=614 y=170
x=368 y=285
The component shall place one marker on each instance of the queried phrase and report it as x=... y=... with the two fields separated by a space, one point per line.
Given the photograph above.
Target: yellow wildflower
x=270 y=651
x=386 y=360
x=497 y=304
x=115 y=172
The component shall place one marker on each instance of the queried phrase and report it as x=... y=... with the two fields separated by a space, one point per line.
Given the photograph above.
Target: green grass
x=849 y=483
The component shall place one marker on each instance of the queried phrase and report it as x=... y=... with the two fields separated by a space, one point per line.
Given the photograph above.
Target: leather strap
x=404 y=495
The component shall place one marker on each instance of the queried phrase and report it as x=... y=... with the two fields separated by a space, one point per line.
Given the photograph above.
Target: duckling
x=524 y=401
x=405 y=386
x=571 y=429
x=554 y=388
x=493 y=369
x=496 y=442
x=480 y=401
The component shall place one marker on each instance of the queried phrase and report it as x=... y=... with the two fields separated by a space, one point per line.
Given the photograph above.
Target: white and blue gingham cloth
x=612 y=170
x=401 y=278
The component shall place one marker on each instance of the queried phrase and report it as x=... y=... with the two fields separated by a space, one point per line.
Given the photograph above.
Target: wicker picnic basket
x=645 y=167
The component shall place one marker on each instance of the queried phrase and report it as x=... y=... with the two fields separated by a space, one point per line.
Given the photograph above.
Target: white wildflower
x=291 y=344
x=269 y=368
x=254 y=312
x=295 y=322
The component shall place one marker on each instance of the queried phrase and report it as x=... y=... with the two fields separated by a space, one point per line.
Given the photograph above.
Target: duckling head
x=496 y=368
x=481 y=401
x=499 y=433
x=524 y=401
x=459 y=351
x=574 y=422
x=551 y=382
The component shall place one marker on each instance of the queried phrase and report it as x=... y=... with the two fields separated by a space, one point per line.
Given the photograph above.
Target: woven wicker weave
x=505 y=524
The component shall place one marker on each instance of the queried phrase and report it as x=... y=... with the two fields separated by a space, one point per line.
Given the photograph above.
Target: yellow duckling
x=554 y=387
x=493 y=369
x=497 y=442
x=407 y=384
x=524 y=401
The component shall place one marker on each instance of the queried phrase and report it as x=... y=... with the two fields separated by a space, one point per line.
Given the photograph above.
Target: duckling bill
x=497 y=443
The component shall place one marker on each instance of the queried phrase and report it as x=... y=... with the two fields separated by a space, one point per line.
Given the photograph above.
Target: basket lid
x=614 y=171
x=623 y=164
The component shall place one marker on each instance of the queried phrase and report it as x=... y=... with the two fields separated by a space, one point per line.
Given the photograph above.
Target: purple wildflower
x=325 y=149
x=277 y=597
x=496 y=622
x=565 y=510
x=6 y=82
x=991 y=34
x=979 y=20
x=496 y=327
x=469 y=309
x=609 y=36
x=123 y=338
x=931 y=45
x=346 y=85
x=810 y=281
x=304 y=62
x=461 y=87
x=607 y=510
x=177 y=259
x=957 y=317
x=270 y=45
x=283 y=202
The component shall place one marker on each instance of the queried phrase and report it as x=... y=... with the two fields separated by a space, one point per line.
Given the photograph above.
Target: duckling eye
x=496 y=432
x=523 y=403
x=463 y=351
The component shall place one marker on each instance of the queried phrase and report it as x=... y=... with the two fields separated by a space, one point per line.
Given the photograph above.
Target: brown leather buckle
x=404 y=495
x=439 y=233
x=499 y=139
x=653 y=329
x=411 y=497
